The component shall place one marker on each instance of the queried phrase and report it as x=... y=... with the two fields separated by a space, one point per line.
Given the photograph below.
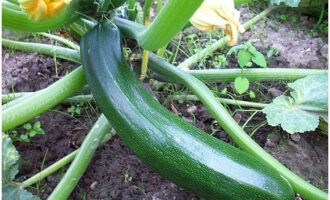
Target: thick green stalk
x=173 y=16
x=131 y=10
x=17 y=100
x=81 y=161
x=187 y=63
x=241 y=138
x=74 y=99
x=43 y=100
x=63 y=40
x=221 y=100
x=49 y=170
x=58 y=164
x=19 y=21
x=145 y=53
x=247 y=25
x=254 y=74
x=52 y=50
x=221 y=43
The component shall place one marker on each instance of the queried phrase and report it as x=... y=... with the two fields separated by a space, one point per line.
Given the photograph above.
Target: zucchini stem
x=43 y=100
x=81 y=160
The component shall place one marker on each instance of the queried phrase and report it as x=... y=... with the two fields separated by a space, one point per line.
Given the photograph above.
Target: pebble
x=275 y=92
x=192 y=109
x=295 y=137
x=93 y=185
x=324 y=51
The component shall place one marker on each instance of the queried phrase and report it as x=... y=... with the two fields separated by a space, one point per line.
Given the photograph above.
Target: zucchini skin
x=166 y=143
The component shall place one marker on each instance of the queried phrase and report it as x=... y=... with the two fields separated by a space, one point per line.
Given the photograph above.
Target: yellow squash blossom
x=38 y=10
x=218 y=14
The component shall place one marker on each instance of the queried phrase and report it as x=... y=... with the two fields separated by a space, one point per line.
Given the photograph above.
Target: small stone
x=238 y=117
x=324 y=51
x=93 y=185
x=192 y=109
x=295 y=137
x=50 y=179
x=275 y=92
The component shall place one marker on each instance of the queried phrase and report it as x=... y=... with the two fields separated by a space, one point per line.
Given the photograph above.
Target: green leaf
x=259 y=59
x=241 y=84
x=300 y=112
x=243 y=58
x=13 y=192
x=32 y=133
x=24 y=137
x=27 y=126
x=311 y=93
x=291 y=3
x=252 y=95
x=37 y=126
x=9 y=159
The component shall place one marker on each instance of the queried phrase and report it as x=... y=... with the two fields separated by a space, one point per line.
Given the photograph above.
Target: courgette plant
x=164 y=139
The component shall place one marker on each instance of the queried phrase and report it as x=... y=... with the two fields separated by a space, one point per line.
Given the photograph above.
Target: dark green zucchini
x=170 y=146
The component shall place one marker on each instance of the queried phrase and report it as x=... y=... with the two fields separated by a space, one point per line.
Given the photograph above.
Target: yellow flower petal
x=38 y=10
x=218 y=14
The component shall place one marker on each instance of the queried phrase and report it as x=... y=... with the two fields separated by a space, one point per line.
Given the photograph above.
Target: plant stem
x=173 y=16
x=61 y=39
x=241 y=138
x=221 y=100
x=82 y=159
x=131 y=10
x=254 y=74
x=161 y=51
x=185 y=65
x=249 y=24
x=43 y=100
x=52 y=50
x=74 y=99
x=145 y=53
x=58 y=164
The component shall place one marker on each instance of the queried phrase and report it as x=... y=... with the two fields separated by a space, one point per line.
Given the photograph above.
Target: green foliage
x=9 y=159
x=219 y=61
x=291 y=3
x=10 y=156
x=246 y=54
x=241 y=84
x=300 y=112
x=273 y=51
x=74 y=110
x=29 y=132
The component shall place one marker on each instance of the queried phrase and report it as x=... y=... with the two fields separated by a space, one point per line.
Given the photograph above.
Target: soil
x=115 y=173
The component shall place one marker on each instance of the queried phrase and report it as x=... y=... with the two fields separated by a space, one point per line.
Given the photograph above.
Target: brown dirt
x=115 y=173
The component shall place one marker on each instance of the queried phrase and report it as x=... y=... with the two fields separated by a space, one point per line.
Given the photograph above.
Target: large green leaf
x=13 y=192
x=291 y=3
x=9 y=160
x=10 y=156
x=300 y=112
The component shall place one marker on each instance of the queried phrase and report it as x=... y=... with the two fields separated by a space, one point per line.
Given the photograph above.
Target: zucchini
x=175 y=149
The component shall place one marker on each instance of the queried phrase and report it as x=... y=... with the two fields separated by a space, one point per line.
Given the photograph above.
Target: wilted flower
x=218 y=14
x=38 y=10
